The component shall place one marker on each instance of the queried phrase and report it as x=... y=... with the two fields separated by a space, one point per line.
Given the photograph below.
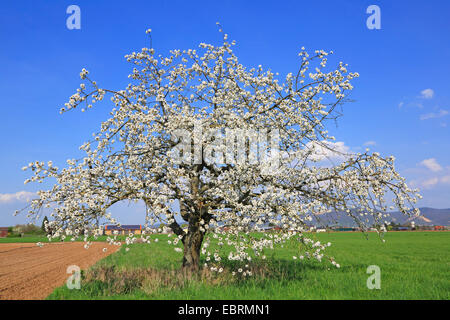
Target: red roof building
x=3 y=232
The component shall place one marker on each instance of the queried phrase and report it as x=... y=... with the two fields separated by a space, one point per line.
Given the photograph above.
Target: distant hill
x=429 y=217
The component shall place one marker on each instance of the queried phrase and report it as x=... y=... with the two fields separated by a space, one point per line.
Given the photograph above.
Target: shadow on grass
x=104 y=280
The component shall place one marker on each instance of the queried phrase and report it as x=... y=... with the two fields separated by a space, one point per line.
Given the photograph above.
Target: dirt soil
x=29 y=272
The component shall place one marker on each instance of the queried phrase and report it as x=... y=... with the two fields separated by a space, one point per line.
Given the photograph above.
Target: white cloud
x=329 y=150
x=20 y=196
x=430 y=182
x=427 y=93
x=401 y=104
x=431 y=164
x=370 y=143
x=431 y=115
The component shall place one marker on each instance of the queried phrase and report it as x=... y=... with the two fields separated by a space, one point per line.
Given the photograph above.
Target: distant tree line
x=19 y=230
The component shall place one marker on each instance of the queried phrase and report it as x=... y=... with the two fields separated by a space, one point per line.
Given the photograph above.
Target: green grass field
x=414 y=265
x=44 y=239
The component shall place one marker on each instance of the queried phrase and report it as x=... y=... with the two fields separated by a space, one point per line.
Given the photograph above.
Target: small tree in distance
x=228 y=149
x=44 y=224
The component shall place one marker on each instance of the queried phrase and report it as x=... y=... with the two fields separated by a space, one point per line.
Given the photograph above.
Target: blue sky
x=402 y=98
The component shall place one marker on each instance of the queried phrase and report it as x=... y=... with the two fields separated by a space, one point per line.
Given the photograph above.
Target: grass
x=414 y=265
x=42 y=238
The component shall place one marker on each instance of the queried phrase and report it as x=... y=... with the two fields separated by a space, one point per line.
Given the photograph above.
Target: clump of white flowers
x=229 y=204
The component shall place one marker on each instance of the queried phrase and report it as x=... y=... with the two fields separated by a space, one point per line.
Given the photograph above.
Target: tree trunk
x=194 y=237
x=192 y=244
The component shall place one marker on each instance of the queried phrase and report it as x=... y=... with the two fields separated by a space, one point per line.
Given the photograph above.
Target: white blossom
x=132 y=156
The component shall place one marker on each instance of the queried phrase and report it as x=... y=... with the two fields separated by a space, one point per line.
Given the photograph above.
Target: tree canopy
x=230 y=150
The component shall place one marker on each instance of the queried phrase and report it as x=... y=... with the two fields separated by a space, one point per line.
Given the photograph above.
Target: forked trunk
x=192 y=244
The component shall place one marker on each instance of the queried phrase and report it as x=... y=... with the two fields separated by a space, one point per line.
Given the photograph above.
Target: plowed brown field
x=31 y=272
